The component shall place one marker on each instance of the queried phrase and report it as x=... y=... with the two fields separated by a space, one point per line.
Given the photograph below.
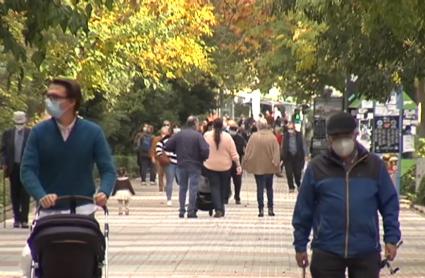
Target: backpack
x=145 y=144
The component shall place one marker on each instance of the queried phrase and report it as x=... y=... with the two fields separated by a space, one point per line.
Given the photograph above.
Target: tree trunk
x=420 y=96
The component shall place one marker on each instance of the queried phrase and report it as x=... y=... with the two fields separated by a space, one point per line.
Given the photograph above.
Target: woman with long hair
x=222 y=154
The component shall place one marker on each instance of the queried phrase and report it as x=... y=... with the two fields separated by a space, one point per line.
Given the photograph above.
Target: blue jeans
x=170 y=173
x=218 y=184
x=188 y=179
x=264 y=181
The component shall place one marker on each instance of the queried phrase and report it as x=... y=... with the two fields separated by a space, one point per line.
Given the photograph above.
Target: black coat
x=300 y=156
x=8 y=147
x=240 y=143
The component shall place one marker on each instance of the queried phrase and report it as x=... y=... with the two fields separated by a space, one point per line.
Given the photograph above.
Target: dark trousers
x=237 y=182
x=264 y=181
x=293 y=169
x=328 y=265
x=218 y=184
x=145 y=164
x=19 y=196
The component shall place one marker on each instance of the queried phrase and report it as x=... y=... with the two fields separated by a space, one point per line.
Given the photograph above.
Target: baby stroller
x=69 y=245
x=204 y=198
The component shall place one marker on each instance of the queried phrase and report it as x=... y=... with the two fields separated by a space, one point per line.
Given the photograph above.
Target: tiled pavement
x=153 y=242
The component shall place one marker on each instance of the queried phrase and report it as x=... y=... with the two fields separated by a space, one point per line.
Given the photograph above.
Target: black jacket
x=300 y=156
x=240 y=143
x=8 y=147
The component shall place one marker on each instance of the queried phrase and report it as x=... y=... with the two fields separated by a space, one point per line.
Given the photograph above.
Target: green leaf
x=89 y=9
x=38 y=57
x=109 y=4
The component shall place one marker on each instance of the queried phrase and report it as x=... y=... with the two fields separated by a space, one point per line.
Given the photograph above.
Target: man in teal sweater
x=61 y=152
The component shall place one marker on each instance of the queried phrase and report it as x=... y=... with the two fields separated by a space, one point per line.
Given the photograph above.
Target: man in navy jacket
x=340 y=197
x=191 y=149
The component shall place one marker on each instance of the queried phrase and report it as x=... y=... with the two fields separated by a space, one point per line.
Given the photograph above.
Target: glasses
x=52 y=96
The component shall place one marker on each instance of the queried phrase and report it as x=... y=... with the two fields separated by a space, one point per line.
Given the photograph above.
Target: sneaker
x=181 y=215
x=24 y=225
x=192 y=215
x=153 y=183
x=169 y=203
x=16 y=225
x=144 y=183
x=238 y=202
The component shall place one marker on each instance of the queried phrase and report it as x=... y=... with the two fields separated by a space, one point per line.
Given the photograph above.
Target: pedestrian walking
x=144 y=158
x=61 y=151
x=60 y=155
x=12 y=148
x=123 y=191
x=219 y=163
x=192 y=150
x=168 y=161
x=262 y=158
x=277 y=130
x=293 y=156
x=340 y=197
x=155 y=163
x=240 y=144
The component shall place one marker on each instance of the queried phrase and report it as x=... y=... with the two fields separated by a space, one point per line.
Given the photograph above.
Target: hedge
x=129 y=162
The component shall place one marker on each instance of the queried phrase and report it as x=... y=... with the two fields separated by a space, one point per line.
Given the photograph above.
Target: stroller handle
x=73 y=202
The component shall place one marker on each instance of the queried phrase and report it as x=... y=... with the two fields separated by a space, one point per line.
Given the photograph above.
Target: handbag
x=163 y=159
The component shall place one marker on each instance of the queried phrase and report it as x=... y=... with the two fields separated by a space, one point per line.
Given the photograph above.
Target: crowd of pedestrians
x=339 y=196
x=218 y=149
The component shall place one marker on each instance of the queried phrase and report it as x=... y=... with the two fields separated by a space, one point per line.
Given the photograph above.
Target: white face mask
x=343 y=147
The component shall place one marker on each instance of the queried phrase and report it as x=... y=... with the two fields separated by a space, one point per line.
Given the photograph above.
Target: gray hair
x=192 y=121
x=262 y=124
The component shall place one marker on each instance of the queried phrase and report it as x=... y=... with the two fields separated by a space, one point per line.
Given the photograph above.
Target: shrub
x=408 y=182
x=129 y=162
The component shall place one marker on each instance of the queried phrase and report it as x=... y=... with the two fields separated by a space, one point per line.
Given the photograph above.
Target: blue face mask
x=53 y=108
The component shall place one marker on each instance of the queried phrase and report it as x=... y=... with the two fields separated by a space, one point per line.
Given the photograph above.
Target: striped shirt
x=160 y=149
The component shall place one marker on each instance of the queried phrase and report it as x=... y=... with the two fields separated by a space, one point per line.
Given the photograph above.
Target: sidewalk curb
x=418 y=208
x=407 y=203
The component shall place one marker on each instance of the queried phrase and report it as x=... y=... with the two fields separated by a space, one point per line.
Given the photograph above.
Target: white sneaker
x=169 y=203
x=144 y=183
x=153 y=183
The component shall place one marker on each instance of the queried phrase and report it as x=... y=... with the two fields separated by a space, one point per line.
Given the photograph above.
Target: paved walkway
x=153 y=242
